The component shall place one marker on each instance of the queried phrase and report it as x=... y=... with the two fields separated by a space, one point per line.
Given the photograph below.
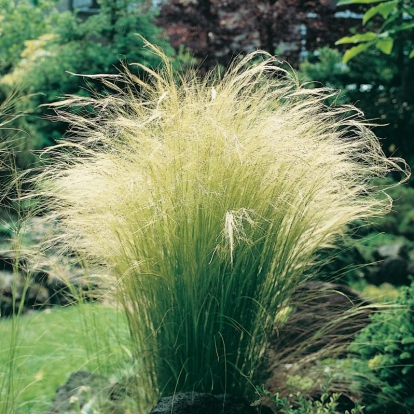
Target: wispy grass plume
x=209 y=200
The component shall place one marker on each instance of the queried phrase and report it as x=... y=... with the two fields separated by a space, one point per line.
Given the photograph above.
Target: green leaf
x=344 y=2
x=405 y=355
x=406 y=370
x=358 y=38
x=409 y=10
x=391 y=348
x=404 y=26
x=408 y=340
x=385 y=45
x=391 y=19
x=384 y=9
x=356 y=50
x=411 y=55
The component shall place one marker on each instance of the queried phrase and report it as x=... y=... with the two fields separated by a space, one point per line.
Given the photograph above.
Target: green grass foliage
x=208 y=200
x=385 y=352
x=39 y=351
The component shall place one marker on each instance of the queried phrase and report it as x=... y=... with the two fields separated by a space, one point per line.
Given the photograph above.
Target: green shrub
x=385 y=349
x=326 y=404
x=357 y=250
x=21 y=21
x=209 y=200
x=400 y=221
x=103 y=43
x=381 y=86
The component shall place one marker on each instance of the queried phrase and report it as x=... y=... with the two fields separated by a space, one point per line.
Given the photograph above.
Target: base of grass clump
x=209 y=202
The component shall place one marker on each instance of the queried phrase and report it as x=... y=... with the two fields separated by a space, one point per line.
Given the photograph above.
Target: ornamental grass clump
x=209 y=200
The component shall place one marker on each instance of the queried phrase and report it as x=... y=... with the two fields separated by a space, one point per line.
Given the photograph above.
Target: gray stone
x=393 y=266
x=391 y=250
x=199 y=403
x=80 y=391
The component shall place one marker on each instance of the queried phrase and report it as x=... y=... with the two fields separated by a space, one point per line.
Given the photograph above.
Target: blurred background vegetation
x=43 y=43
x=362 y=48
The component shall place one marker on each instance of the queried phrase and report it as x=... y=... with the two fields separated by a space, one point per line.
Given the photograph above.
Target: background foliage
x=384 y=92
x=394 y=30
x=65 y=44
x=385 y=352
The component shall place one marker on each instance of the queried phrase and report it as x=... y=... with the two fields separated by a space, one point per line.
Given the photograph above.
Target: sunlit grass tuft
x=209 y=201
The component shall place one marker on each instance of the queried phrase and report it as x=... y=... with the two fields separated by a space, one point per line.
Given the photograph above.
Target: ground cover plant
x=326 y=404
x=209 y=201
x=383 y=355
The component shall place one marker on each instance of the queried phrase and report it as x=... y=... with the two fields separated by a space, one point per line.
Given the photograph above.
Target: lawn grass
x=54 y=343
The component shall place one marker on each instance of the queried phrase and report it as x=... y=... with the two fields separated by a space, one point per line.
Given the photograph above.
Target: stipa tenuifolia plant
x=209 y=201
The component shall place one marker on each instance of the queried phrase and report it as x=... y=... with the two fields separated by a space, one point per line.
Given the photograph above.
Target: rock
x=393 y=266
x=391 y=250
x=393 y=270
x=79 y=392
x=410 y=268
x=51 y=277
x=7 y=290
x=7 y=262
x=83 y=390
x=199 y=403
x=37 y=296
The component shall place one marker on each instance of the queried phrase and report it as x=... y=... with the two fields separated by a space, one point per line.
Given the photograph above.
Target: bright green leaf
x=389 y=349
x=405 y=355
x=356 y=50
x=408 y=340
x=404 y=26
x=411 y=55
x=384 y=9
x=406 y=370
x=358 y=38
x=385 y=45
x=344 y=2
